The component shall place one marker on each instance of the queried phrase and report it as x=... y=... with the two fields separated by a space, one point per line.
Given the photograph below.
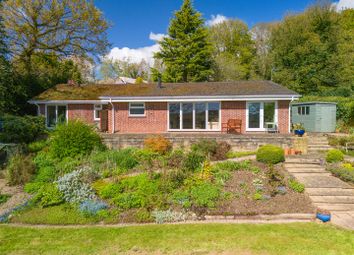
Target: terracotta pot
x=292 y=152
x=286 y=151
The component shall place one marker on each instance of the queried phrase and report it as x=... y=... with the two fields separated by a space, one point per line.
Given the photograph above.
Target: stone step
x=313 y=174
x=329 y=192
x=309 y=165
x=319 y=146
x=335 y=207
x=323 y=182
x=306 y=170
x=302 y=161
x=333 y=199
x=318 y=142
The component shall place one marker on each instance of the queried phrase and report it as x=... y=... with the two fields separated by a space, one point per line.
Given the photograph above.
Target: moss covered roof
x=95 y=91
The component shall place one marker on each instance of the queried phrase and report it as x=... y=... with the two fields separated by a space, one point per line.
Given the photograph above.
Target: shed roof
x=313 y=102
x=99 y=91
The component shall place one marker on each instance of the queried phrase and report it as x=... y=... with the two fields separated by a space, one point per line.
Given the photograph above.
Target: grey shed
x=315 y=116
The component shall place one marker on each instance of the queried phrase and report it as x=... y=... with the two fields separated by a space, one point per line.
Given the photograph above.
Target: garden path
x=17 y=196
x=325 y=191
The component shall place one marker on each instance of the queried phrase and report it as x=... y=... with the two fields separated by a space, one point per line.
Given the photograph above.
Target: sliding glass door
x=194 y=116
x=261 y=116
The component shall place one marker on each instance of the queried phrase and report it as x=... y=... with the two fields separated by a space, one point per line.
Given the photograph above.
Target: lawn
x=296 y=238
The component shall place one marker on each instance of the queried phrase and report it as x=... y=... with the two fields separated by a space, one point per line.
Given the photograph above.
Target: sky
x=137 y=25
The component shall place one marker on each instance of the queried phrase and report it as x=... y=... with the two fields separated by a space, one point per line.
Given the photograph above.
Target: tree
x=186 y=52
x=62 y=27
x=346 y=49
x=8 y=90
x=233 y=50
x=305 y=50
x=262 y=63
x=113 y=69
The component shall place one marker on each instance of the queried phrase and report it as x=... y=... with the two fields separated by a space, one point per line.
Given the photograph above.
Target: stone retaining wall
x=238 y=142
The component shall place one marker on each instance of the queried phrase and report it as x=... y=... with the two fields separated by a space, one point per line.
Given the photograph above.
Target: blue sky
x=134 y=20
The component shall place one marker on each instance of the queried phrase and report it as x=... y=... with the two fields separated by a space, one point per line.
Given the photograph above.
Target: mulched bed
x=242 y=188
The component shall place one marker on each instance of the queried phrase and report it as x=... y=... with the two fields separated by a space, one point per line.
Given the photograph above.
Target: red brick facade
x=82 y=112
x=234 y=110
x=155 y=119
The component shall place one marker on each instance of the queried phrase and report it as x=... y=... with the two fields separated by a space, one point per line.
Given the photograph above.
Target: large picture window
x=55 y=114
x=194 y=116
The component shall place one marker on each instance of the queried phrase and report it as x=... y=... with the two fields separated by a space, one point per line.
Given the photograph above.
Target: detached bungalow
x=256 y=106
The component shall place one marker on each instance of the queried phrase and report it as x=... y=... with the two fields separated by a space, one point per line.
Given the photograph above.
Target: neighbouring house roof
x=264 y=89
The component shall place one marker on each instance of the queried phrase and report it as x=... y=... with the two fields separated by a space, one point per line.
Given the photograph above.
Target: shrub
x=73 y=188
x=110 y=190
x=270 y=154
x=175 y=159
x=239 y=154
x=211 y=148
x=33 y=187
x=37 y=146
x=193 y=161
x=205 y=194
x=20 y=169
x=158 y=144
x=74 y=139
x=4 y=198
x=92 y=207
x=168 y=216
x=25 y=129
x=205 y=146
x=114 y=160
x=343 y=173
x=48 y=195
x=296 y=186
x=137 y=192
x=142 y=215
x=221 y=151
x=334 y=156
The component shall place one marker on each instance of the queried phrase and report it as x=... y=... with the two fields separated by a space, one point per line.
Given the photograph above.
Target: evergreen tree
x=186 y=52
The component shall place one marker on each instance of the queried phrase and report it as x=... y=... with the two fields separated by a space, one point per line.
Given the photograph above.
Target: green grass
x=239 y=154
x=4 y=198
x=297 y=238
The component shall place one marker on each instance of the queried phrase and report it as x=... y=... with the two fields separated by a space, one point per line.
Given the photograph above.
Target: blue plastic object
x=299 y=132
x=323 y=217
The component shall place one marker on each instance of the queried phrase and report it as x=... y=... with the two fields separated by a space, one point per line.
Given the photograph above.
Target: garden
x=72 y=178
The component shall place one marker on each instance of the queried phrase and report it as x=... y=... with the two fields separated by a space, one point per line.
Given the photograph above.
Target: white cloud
x=156 y=37
x=344 y=4
x=136 y=55
x=216 y=19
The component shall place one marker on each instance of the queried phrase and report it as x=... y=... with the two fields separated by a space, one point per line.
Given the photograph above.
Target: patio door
x=260 y=115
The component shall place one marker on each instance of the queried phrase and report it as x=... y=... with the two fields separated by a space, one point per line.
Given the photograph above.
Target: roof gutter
x=196 y=98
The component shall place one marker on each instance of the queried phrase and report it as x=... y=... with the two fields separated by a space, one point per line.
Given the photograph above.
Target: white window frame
x=303 y=111
x=180 y=129
x=261 y=115
x=56 y=113
x=131 y=106
x=97 y=107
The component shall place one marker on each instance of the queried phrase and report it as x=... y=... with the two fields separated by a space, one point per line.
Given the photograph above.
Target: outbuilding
x=315 y=116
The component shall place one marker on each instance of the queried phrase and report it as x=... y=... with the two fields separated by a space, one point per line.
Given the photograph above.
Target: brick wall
x=82 y=112
x=234 y=110
x=283 y=116
x=154 y=121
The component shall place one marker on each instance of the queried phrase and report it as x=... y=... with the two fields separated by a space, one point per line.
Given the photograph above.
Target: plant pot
x=323 y=217
x=292 y=152
x=286 y=151
x=299 y=132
